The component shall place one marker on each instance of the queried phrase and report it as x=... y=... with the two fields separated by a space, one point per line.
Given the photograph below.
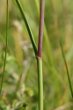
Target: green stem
x=5 y=53
x=39 y=56
x=40 y=83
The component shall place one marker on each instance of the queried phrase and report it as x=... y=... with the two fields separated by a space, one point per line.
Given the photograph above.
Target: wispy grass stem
x=67 y=70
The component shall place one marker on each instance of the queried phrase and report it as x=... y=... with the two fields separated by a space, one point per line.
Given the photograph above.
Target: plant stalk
x=39 y=56
x=38 y=52
x=41 y=27
x=40 y=83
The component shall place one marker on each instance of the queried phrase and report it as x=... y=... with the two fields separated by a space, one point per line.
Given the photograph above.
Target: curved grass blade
x=27 y=26
x=5 y=52
x=67 y=70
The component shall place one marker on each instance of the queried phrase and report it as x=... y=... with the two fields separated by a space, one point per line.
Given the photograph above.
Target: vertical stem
x=41 y=27
x=39 y=56
x=5 y=53
x=40 y=84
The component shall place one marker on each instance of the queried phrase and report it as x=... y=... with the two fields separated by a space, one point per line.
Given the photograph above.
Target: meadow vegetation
x=20 y=80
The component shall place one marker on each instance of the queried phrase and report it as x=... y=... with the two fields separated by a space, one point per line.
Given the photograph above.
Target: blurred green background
x=20 y=90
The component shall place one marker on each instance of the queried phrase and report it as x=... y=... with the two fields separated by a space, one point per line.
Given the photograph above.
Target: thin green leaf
x=27 y=25
x=67 y=70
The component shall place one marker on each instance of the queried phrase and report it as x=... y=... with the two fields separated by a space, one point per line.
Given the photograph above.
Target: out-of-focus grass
x=58 y=25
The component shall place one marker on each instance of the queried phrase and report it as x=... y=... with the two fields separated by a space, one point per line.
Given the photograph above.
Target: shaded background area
x=20 y=81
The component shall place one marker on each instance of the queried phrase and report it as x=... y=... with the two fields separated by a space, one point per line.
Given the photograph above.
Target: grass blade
x=5 y=53
x=67 y=70
x=27 y=26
